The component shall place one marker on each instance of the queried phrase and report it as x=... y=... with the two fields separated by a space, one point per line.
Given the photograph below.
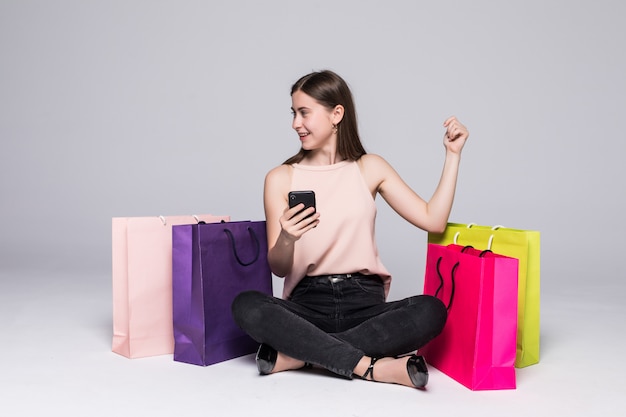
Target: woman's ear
x=337 y=114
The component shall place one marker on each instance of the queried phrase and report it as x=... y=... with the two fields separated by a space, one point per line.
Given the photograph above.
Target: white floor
x=55 y=333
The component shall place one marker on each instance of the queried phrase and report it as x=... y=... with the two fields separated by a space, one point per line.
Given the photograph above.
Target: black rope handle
x=452 y=274
x=481 y=255
x=232 y=243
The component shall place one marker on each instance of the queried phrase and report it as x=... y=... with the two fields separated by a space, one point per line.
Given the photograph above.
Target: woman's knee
x=246 y=308
x=433 y=310
x=438 y=308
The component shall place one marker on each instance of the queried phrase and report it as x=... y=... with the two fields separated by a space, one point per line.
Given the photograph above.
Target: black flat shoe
x=266 y=359
x=418 y=371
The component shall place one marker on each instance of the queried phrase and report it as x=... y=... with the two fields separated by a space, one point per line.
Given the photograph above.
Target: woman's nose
x=296 y=123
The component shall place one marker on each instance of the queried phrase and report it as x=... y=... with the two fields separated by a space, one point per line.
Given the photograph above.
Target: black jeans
x=334 y=323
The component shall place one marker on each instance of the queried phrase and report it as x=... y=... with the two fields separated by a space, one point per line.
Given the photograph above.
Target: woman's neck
x=322 y=157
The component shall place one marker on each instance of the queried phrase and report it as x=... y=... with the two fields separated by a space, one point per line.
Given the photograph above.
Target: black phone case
x=307 y=197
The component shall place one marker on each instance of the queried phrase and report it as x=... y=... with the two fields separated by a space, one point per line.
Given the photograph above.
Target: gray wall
x=136 y=108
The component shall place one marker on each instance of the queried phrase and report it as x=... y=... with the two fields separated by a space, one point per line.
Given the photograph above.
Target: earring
x=334 y=128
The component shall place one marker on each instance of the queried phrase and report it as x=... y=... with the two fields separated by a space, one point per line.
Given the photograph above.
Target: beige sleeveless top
x=344 y=241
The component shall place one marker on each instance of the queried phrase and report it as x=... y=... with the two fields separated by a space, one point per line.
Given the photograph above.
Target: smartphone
x=307 y=197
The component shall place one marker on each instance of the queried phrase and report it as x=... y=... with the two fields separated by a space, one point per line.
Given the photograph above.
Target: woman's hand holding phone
x=301 y=216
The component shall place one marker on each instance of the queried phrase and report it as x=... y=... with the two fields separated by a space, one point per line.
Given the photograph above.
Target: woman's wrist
x=454 y=157
x=280 y=256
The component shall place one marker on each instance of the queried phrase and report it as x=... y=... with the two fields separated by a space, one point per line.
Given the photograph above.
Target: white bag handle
x=469 y=226
x=164 y=220
x=496 y=227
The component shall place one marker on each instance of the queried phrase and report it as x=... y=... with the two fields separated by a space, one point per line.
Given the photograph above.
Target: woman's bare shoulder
x=280 y=171
x=279 y=175
x=373 y=162
x=375 y=170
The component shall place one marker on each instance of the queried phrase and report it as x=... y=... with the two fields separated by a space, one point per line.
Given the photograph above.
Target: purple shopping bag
x=211 y=264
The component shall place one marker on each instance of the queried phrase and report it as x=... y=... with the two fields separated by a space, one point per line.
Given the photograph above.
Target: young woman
x=334 y=313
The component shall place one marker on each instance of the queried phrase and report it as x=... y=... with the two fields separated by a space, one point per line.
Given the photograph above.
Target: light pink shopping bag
x=478 y=343
x=142 y=283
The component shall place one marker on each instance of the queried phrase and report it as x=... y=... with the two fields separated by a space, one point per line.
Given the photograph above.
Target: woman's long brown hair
x=330 y=90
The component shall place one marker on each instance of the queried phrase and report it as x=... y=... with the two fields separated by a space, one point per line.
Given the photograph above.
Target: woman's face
x=313 y=122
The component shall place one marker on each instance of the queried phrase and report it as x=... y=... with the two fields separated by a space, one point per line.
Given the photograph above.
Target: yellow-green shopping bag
x=515 y=243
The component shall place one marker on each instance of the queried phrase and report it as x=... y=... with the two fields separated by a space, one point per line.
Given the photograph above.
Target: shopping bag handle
x=232 y=243
x=469 y=226
x=481 y=255
x=452 y=274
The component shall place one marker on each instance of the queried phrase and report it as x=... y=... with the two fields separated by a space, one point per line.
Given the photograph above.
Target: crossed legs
x=384 y=330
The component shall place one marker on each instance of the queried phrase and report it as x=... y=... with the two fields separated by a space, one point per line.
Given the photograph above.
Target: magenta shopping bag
x=477 y=346
x=212 y=264
x=142 y=283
